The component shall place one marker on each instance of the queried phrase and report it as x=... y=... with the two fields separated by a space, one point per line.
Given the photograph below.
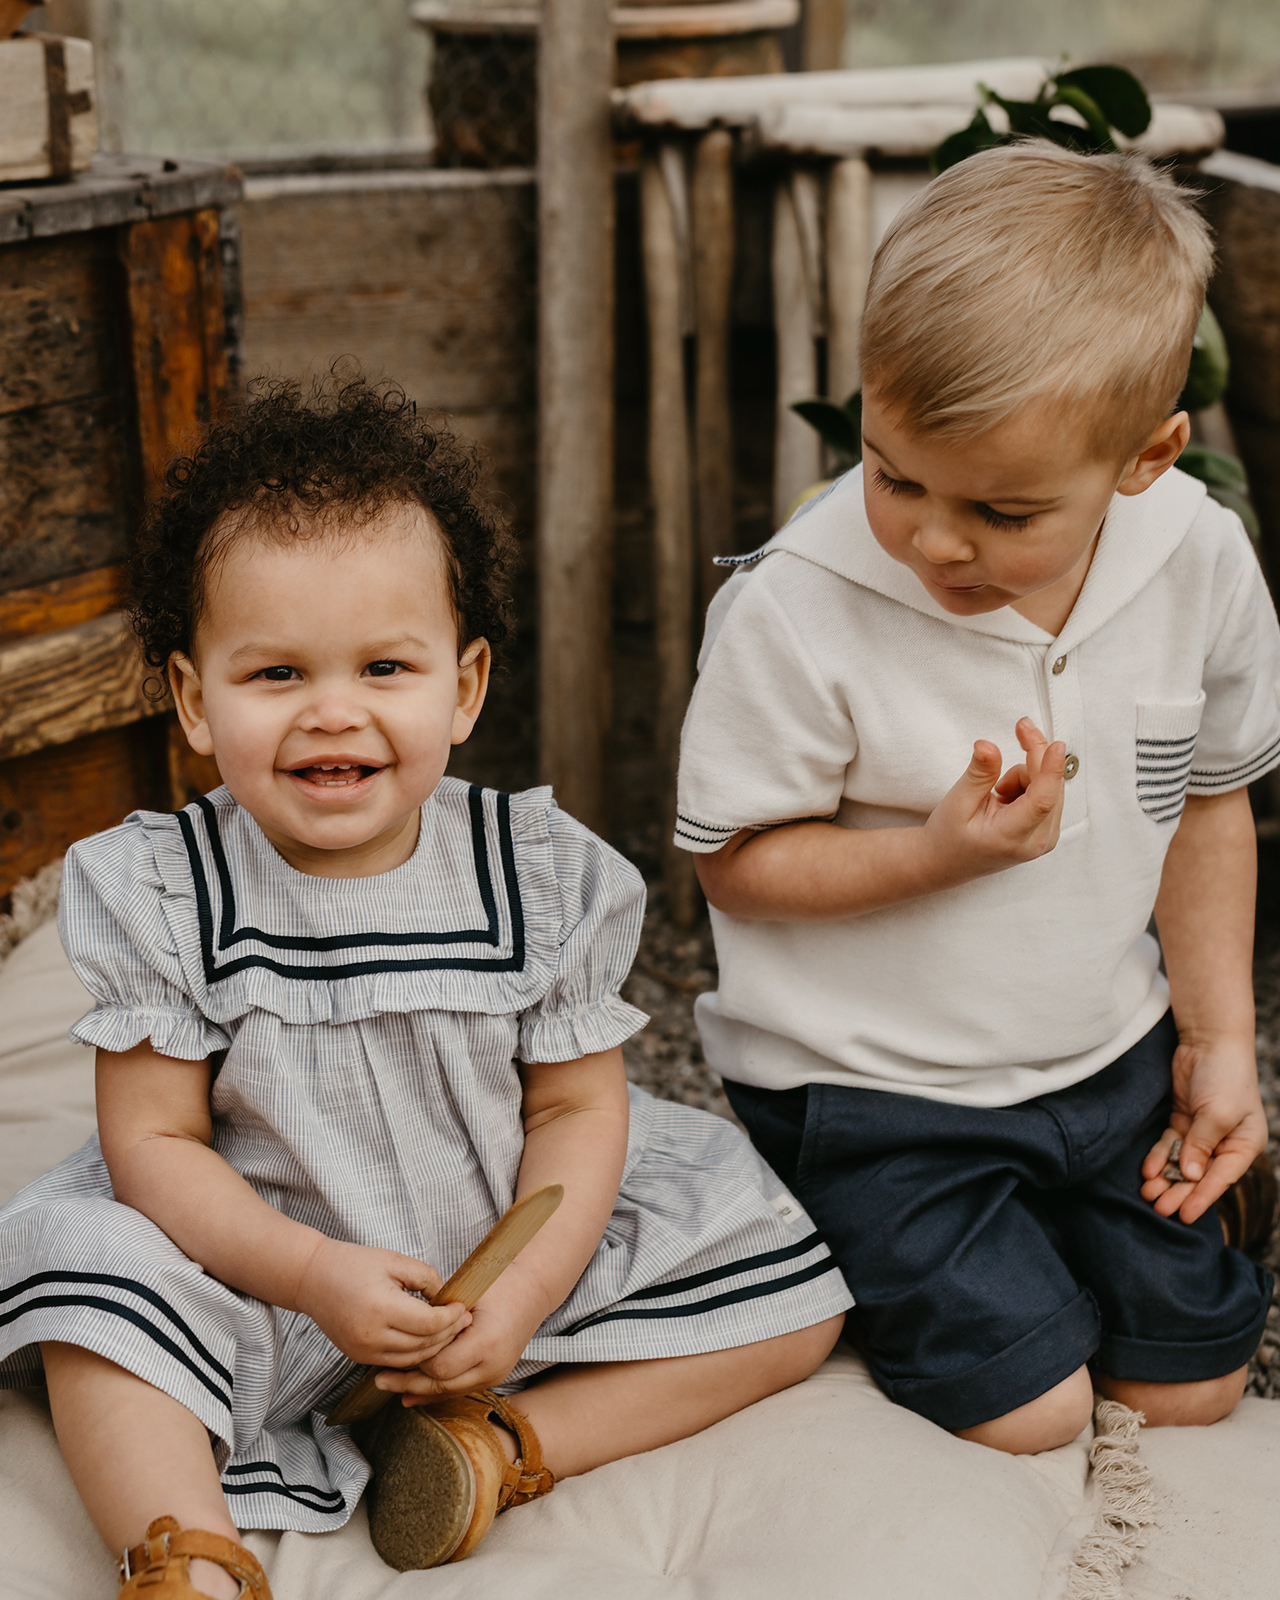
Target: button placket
x=1067 y=713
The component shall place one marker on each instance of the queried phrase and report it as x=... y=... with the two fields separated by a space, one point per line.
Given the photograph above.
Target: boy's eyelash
x=997 y=519
x=894 y=485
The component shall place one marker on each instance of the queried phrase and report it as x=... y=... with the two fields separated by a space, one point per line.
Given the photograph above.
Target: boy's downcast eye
x=998 y=519
x=277 y=674
x=895 y=485
x=383 y=669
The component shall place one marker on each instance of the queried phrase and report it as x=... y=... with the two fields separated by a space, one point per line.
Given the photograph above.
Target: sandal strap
x=167 y=1540
x=527 y=1477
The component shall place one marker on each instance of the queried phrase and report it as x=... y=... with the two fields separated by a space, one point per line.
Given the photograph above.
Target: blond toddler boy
x=940 y=1014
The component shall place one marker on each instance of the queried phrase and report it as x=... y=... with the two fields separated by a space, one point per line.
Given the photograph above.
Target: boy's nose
x=941 y=545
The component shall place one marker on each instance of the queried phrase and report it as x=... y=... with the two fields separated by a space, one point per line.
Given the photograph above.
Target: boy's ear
x=188 y=701
x=473 y=685
x=1162 y=449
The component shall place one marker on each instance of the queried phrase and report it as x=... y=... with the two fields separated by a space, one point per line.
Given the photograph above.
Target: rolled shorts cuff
x=1161 y=1361
x=1023 y=1372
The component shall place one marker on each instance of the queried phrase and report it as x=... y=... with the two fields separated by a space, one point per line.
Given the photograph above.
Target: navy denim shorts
x=993 y=1252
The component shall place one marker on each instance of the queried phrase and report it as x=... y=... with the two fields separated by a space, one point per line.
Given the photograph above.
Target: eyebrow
x=380 y=650
x=1003 y=499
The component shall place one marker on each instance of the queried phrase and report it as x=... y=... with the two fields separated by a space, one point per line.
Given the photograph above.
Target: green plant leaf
x=1210 y=366
x=1099 y=128
x=1117 y=94
x=1214 y=468
x=979 y=135
x=833 y=423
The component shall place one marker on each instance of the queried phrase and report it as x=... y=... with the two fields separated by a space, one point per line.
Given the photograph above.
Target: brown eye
x=276 y=674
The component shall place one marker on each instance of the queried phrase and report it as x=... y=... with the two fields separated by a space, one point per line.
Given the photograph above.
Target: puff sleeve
x=112 y=923
x=603 y=902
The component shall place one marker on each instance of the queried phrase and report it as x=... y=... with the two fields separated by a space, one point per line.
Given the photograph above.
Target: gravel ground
x=673 y=968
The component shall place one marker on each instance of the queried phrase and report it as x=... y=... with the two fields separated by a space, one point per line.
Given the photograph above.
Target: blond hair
x=1030 y=273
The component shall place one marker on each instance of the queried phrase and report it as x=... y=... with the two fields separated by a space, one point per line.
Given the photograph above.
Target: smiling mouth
x=336 y=775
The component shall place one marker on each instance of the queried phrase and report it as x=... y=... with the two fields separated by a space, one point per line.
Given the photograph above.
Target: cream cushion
x=825 y=1490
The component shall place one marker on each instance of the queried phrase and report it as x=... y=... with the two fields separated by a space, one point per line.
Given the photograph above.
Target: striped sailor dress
x=365 y=1035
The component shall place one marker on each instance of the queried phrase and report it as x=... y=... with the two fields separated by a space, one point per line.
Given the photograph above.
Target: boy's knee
x=1178 y=1405
x=1052 y=1419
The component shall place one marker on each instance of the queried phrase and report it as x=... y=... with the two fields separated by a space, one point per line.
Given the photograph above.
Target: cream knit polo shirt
x=832 y=685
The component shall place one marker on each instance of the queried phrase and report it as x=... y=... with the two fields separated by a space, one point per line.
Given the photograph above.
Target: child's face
x=1008 y=519
x=328 y=686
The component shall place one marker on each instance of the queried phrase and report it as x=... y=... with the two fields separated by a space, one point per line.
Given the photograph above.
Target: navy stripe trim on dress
x=336 y=1502
x=732 y=1297
x=114 y=1308
x=132 y=1286
x=696 y=1280
x=229 y=934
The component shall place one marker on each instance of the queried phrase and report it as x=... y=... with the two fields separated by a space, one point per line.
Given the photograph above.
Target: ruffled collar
x=470 y=922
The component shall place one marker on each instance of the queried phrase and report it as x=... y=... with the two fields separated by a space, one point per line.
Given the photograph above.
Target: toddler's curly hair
x=281 y=465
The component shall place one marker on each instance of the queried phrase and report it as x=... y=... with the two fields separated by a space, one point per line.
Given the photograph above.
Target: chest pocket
x=1164 y=746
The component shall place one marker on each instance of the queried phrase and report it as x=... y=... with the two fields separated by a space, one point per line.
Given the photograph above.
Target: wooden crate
x=115 y=290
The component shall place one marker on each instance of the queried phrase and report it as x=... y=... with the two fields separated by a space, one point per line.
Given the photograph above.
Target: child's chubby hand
x=1217 y=1113
x=479 y=1357
x=366 y=1301
x=985 y=822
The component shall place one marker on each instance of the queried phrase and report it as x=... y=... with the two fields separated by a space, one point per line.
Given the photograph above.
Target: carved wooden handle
x=473 y=1279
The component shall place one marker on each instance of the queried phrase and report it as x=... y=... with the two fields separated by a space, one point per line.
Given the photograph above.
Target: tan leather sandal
x=440 y=1476
x=158 y=1568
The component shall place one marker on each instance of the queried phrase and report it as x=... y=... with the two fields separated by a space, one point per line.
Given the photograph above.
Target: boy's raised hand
x=985 y=822
x=1218 y=1115
x=366 y=1301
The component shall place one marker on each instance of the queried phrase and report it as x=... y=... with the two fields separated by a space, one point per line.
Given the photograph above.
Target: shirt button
x=1072 y=766
x=1058 y=665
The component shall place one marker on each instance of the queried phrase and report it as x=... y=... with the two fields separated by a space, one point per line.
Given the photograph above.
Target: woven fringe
x=1123 y=1484
x=35 y=902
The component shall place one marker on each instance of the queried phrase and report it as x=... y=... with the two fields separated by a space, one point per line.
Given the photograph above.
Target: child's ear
x=473 y=685
x=1162 y=449
x=188 y=701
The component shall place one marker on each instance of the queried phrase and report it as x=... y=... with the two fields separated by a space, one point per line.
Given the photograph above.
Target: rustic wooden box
x=118 y=307
x=48 y=122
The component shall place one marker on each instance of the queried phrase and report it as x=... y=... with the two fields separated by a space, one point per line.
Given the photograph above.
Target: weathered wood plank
x=797 y=447
x=50 y=799
x=575 y=401
x=59 y=604
x=116 y=189
x=849 y=252
x=674 y=566
x=713 y=243
x=434 y=286
x=59 y=322
x=178 y=336
x=59 y=686
x=63 y=494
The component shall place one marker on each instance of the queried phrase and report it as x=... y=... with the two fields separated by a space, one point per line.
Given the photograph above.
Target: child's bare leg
x=585 y=1416
x=1051 y=1419
x=134 y=1454
x=1178 y=1405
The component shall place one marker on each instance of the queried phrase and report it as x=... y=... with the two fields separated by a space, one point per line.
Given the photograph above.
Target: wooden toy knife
x=474 y=1278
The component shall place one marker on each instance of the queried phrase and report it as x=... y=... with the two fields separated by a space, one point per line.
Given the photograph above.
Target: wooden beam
x=713 y=285
x=575 y=401
x=59 y=686
x=178 y=334
x=797 y=460
x=824 y=25
x=674 y=564
x=849 y=252
x=59 y=604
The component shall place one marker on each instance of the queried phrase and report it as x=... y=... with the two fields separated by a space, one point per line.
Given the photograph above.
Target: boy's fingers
x=984 y=766
x=1157 y=1158
x=418 y=1276
x=1032 y=741
x=1222 y=1172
